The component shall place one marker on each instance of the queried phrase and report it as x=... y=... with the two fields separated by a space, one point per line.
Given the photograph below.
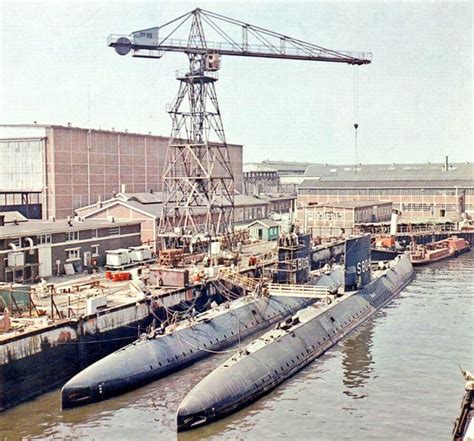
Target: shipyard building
x=30 y=249
x=49 y=171
x=418 y=191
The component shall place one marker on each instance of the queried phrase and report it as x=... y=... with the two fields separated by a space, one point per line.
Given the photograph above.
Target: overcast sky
x=415 y=99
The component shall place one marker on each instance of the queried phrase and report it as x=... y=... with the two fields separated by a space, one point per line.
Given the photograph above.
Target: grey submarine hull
x=283 y=351
x=155 y=356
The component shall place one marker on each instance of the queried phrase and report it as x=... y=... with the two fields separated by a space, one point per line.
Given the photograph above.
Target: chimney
x=447 y=164
x=69 y=124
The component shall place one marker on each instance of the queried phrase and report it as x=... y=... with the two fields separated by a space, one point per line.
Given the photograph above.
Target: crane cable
x=356 y=112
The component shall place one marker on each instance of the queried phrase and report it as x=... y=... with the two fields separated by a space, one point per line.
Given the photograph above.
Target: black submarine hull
x=280 y=353
x=149 y=359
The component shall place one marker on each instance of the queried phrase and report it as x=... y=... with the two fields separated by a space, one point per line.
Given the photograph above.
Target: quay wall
x=44 y=359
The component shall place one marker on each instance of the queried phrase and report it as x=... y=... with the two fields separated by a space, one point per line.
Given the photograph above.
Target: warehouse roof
x=155 y=209
x=258 y=167
x=286 y=166
x=316 y=183
x=92 y=130
x=352 y=204
x=391 y=172
x=143 y=198
x=12 y=216
x=268 y=223
x=35 y=227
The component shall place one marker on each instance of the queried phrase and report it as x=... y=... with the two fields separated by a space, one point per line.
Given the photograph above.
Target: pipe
x=13 y=246
x=394 y=223
x=30 y=241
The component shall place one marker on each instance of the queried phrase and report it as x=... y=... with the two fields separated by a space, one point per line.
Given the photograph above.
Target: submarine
x=291 y=345
x=167 y=350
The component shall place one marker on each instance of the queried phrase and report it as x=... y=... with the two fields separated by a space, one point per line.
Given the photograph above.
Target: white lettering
x=362 y=267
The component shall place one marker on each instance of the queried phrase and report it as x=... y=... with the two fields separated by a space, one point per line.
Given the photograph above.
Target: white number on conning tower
x=363 y=266
x=300 y=263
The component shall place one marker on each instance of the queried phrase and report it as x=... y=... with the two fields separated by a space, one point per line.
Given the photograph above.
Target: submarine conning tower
x=357 y=272
x=294 y=262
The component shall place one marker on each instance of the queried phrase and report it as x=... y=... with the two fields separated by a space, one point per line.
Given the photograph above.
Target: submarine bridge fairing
x=293 y=344
x=171 y=349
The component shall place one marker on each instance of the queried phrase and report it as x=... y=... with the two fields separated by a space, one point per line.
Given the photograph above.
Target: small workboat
x=424 y=254
x=429 y=253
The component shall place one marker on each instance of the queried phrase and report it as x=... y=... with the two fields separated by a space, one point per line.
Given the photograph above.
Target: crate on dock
x=117 y=258
x=171 y=257
x=140 y=254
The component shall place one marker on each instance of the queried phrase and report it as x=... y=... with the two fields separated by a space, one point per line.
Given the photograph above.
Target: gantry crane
x=198 y=179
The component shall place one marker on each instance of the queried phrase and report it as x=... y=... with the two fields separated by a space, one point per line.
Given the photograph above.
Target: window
x=16 y=242
x=114 y=231
x=43 y=239
x=95 y=250
x=72 y=235
x=73 y=254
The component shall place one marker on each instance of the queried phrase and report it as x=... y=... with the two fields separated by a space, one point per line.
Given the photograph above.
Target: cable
x=356 y=114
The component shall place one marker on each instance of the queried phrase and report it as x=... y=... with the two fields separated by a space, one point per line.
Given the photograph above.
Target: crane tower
x=198 y=179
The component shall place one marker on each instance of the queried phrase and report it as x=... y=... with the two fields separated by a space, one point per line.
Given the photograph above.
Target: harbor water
x=395 y=378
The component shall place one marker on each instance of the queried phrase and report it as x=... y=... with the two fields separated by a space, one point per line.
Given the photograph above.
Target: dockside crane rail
x=198 y=179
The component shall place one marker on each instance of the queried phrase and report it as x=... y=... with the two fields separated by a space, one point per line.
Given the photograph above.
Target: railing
x=287 y=49
x=183 y=73
x=311 y=291
x=238 y=279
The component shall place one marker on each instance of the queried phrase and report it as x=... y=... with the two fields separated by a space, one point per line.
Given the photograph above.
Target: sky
x=414 y=100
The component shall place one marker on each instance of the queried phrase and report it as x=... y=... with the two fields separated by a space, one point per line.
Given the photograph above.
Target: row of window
x=385 y=191
x=74 y=254
x=429 y=208
x=18 y=199
x=70 y=236
x=320 y=216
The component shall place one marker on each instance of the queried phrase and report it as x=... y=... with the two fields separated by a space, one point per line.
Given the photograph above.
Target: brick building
x=49 y=171
x=42 y=248
x=146 y=208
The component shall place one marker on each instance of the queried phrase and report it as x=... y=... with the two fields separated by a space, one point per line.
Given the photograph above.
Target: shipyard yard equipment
x=198 y=179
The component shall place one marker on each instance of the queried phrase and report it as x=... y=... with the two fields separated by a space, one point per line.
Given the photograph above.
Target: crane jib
x=244 y=53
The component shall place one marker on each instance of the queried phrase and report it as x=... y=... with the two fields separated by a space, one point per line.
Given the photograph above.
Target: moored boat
x=424 y=254
x=280 y=353
x=432 y=252
x=174 y=347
